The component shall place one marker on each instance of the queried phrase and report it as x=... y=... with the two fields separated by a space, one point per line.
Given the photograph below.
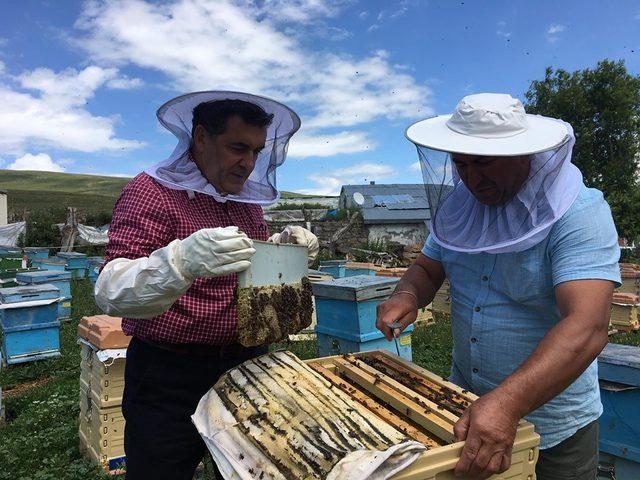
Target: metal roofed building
x=393 y=213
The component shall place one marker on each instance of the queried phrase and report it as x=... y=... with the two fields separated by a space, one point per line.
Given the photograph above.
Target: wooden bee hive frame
x=424 y=406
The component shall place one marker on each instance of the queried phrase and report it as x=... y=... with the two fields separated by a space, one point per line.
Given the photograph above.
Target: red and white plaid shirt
x=148 y=216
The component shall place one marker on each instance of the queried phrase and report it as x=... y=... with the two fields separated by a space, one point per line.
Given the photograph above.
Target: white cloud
x=553 y=32
x=302 y=10
x=329 y=183
x=555 y=28
x=56 y=115
x=303 y=145
x=40 y=162
x=232 y=44
x=415 y=167
x=363 y=15
x=502 y=31
x=373 y=27
x=125 y=83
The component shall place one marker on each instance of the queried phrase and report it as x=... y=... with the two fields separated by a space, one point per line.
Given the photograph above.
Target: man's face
x=492 y=180
x=227 y=160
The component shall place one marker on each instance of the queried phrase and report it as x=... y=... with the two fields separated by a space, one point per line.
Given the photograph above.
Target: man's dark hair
x=213 y=115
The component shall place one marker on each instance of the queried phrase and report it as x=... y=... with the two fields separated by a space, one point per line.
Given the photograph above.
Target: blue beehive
x=332 y=345
x=353 y=269
x=334 y=268
x=30 y=332
x=93 y=268
x=76 y=263
x=74 y=259
x=36 y=253
x=346 y=314
x=60 y=279
x=619 y=372
x=4 y=250
x=50 y=264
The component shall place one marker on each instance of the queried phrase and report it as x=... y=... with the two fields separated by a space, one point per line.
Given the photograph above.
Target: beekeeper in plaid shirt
x=180 y=233
x=531 y=254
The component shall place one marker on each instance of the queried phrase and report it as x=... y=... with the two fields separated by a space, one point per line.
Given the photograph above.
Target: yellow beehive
x=105 y=380
x=423 y=406
x=101 y=432
x=630 y=282
x=624 y=312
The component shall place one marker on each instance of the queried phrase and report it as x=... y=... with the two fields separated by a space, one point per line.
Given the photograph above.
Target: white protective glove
x=148 y=286
x=299 y=236
x=214 y=252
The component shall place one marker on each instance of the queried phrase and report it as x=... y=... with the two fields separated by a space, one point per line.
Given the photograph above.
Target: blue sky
x=80 y=81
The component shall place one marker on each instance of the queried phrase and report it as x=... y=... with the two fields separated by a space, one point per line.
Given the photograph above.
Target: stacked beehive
x=101 y=429
x=346 y=313
x=630 y=273
x=410 y=253
x=75 y=263
x=28 y=323
x=60 y=279
x=624 y=312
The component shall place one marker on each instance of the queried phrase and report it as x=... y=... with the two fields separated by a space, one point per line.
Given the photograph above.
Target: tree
x=603 y=106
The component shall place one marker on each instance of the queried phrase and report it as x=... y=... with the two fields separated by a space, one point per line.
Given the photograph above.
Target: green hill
x=90 y=194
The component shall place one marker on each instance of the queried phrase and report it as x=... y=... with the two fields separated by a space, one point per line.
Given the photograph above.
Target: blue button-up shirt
x=502 y=305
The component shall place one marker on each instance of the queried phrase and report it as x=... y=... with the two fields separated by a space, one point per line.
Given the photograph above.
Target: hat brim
x=542 y=135
x=176 y=115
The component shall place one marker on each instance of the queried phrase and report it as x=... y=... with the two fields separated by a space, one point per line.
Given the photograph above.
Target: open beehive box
x=423 y=406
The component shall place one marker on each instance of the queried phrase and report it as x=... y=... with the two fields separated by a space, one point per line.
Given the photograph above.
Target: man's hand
x=299 y=236
x=488 y=427
x=400 y=307
x=214 y=252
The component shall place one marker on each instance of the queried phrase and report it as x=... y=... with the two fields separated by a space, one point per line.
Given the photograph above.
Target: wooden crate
x=422 y=405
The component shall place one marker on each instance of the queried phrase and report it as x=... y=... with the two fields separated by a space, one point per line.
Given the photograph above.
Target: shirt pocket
x=524 y=277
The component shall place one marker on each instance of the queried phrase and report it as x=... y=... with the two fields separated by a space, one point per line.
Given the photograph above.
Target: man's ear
x=200 y=137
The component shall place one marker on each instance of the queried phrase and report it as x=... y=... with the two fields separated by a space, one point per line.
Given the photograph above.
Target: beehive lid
x=28 y=293
x=42 y=276
x=356 y=288
x=318 y=276
x=72 y=255
x=332 y=263
x=359 y=265
x=103 y=332
x=52 y=261
x=620 y=363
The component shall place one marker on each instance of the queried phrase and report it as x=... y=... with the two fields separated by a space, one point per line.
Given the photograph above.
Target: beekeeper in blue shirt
x=532 y=257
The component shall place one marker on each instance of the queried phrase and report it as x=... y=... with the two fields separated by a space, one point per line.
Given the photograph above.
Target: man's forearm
x=420 y=281
x=561 y=357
